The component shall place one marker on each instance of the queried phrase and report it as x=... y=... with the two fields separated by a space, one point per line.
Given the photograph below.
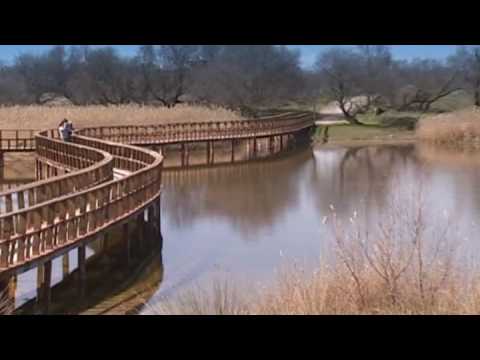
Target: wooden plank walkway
x=101 y=179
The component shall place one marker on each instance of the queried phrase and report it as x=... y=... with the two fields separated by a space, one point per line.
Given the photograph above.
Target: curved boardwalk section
x=106 y=177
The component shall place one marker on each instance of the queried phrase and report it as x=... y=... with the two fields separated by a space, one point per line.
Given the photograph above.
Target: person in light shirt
x=62 y=129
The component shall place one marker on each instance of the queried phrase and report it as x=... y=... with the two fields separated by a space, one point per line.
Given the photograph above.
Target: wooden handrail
x=198 y=131
x=30 y=233
x=95 y=166
x=70 y=208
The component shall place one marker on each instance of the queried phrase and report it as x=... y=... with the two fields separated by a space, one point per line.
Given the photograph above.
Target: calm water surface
x=244 y=222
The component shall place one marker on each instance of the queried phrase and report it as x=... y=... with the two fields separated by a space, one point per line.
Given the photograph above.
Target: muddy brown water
x=244 y=222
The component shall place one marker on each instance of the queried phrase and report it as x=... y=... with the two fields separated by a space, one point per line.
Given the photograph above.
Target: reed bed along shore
x=406 y=265
x=42 y=117
x=458 y=128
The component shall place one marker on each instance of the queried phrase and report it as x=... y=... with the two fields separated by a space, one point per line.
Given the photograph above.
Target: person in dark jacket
x=69 y=130
x=62 y=129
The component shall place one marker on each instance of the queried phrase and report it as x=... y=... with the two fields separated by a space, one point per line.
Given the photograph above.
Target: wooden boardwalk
x=106 y=177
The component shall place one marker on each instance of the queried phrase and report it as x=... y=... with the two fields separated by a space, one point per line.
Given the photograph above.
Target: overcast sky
x=308 y=52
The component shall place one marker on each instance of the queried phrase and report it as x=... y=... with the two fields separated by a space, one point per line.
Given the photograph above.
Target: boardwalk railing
x=40 y=230
x=95 y=167
x=201 y=131
x=42 y=220
x=17 y=140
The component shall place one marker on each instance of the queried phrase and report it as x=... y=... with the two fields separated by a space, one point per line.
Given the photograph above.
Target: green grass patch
x=359 y=132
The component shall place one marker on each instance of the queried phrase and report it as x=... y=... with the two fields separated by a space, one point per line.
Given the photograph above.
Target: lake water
x=244 y=222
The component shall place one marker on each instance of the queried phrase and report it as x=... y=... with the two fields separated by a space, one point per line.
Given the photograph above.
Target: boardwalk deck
x=102 y=179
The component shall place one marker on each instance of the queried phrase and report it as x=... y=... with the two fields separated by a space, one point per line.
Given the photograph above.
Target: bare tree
x=13 y=88
x=467 y=61
x=166 y=71
x=340 y=69
x=424 y=82
x=246 y=76
x=110 y=77
x=176 y=63
x=375 y=73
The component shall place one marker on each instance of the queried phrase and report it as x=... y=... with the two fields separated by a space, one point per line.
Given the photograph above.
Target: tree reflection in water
x=249 y=196
x=358 y=178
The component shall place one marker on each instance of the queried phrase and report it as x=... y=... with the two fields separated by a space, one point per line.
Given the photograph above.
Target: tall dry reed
x=404 y=265
x=455 y=128
x=41 y=117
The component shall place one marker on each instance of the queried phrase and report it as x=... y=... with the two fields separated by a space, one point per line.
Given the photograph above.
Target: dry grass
x=403 y=266
x=452 y=129
x=38 y=117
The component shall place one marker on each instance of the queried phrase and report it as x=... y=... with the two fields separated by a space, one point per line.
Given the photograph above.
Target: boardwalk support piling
x=46 y=286
x=126 y=242
x=65 y=265
x=82 y=270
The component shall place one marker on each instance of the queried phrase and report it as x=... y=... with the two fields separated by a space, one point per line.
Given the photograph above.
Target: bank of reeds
x=42 y=117
x=402 y=266
x=458 y=128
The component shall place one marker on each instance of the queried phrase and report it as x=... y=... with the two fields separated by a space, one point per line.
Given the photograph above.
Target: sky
x=308 y=52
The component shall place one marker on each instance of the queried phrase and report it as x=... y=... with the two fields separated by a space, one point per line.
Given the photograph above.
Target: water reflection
x=358 y=178
x=245 y=220
x=113 y=284
x=250 y=197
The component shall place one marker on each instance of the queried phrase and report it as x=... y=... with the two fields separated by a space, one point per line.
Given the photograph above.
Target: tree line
x=159 y=74
x=239 y=76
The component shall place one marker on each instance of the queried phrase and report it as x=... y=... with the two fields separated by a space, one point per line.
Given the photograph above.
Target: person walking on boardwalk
x=69 y=130
x=62 y=129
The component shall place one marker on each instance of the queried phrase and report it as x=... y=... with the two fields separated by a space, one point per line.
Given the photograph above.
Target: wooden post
x=105 y=239
x=233 y=151
x=65 y=265
x=140 y=230
x=40 y=171
x=2 y=159
x=40 y=280
x=183 y=155
x=212 y=152
x=126 y=241
x=12 y=289
x=255 y=147
x=208 y=152
x=82 y=270
x=46 y=287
